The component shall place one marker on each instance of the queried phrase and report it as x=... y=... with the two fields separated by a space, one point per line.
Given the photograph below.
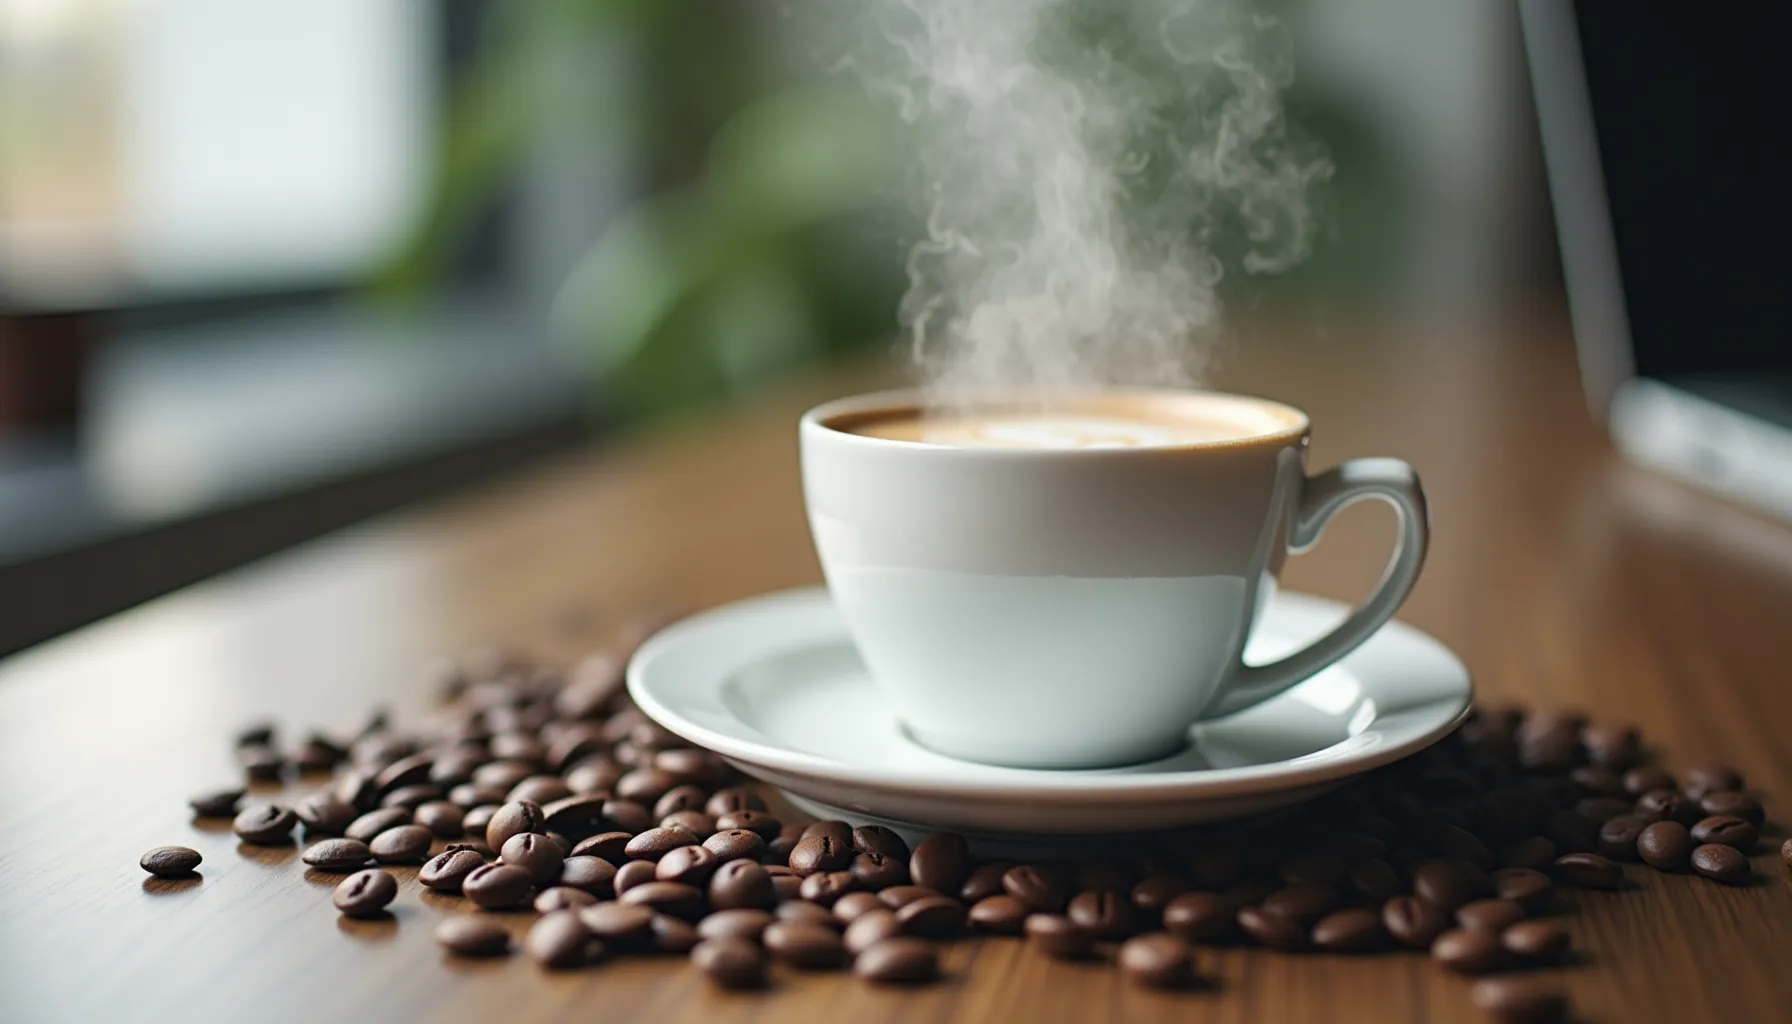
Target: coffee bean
x=217 y=803
x=880 y=840
x=1151 y=894
x=514 y=818
x=898 y=961
x=759 y=823
x=1726 y=830
x=741 y=883
x=610 y=846
x=1469 y=951
x=821 y=853
x=1521 y=1000
x=1598 y=780
x=695 y=822
x=680 y=798
x=1303 y=902
x=411 y=797
x=406 y=771
x=468 y=935
x=1198 y=916
x=1615 y=746
x=337 y=856
x=580 y=815
x=365 y=893
x=369 y=825
x=1530 y=889
x=454 y=768
x=1412 y=922
x=657 y=842
x=562 y=897
x=670 y=935
x=932 y=917
x=265 y=825
x=734 y=798
x=468 y=796
x=1350 y=931
x=635 y=872
x=1448 y=884
x=1721 y=863
x=1277 y=931
x=442 y=818
x=941 y=862
x=1739 y=805
x=534 y=854
x=815 y=913
x=1703 y=780
x=477 y=820
x=1000 y=914
x=804 y=945
x=447 y=870
x=263 y=764
x=619 y=924
x=787 y=887
x=323 y=813
x=1057 y=936
x=827 y=886
x=735 y=844
x=743 y=923
x=839 y=831
x=691 y=865
x=1041 y=888
x=405 y=844
x=868 y=930
x=1157 y=960
x=1667 y=805
x=690 y=764
x=778 y=848
x=673 y=898
x=559 y=939
x=591 y=874
x=851 y=906
x=1665 y=845
x=1104 y=914
x=1535 y=941
x=356 y=787
x=170 y=861
x=896 y=895
x=1618 y=836
x=1638 y=781
x=876 y=871
x=497 y=886
x=730 y=963
x=1489 y=915
x=1786 y=853
x=1589 y=871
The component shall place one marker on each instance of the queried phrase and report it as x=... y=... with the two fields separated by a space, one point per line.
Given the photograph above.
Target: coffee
x=1109 y=421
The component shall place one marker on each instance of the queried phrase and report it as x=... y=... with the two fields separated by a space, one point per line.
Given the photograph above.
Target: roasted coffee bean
x=803 y=910
x=695 y=822
x=1199 y=916
x=941 y=862
x=1535 y=941
x=675 y=898
x=467 y=935
x=644 y=785
x=356 y=787
x=1350 y=931
x=759 y=823
x=497 y=886
x=1157 y=960
x=1589 y=871
x=1412 y=922
x=1489 y=915
x=635 y=872
x=1448 y=884
x=1044 y=889
x=370 y=825
x=691 y=865
x=265 y=825
x=821 y=852
x=689 y=764
x=619 y=924
x=1534 y=852
x=932 y=917
x=337 y=856
x=514 y=818
x=578 y=815
x=1151 y=894
x=170 y=861
x=1726 y=830
x=1667 y=805
x=447 y=870
x=1638 y=781
x=742 y=923
x=657 y=842
x=788 y=887
x=896 y=895
x=1739 y=805
x=880 y=840
x=1703 y=780
x=404 y=844
x=406 y=771
x=469 y=797
x=735 y=844
x=218 y=803
x=730 y=963
x=734 y=798
x=827 y=886
x=1618 y=836
x=1665 y=845
x=559 y=939
x=454 y=768
x=1467 y=951
x=610 y=846
x=411 y=797
x=1104 y=914
x=1302 y=903
x=1057 y=936
x=741 y=883
x=593 y=775
x=670 y=935
x=898 y=961
x=1000 y=914
x=442 y=818
x=263 y=764
x=839 y=831
x=516 y=746
x=592 y=874
x=852 y=905
x=1597 y=780
x=1614 y=746
x=1601 y=809
x=324 y=813
x=1277 y=931
x=868 y=930
x=365 y=893
x=876 y=871
x=804 y=945
x=536 y=854
x=1786 y=853
x=1528 y=888
x=1521 y=1000
x=1721 y=863
x=778 y=848
x=680 y=798
x=562 y=897
x=1573 y=832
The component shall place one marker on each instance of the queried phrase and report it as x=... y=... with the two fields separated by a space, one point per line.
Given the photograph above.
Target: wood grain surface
x=1561 y=576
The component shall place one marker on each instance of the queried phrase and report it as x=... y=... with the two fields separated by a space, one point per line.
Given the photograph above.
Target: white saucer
x=774 y=685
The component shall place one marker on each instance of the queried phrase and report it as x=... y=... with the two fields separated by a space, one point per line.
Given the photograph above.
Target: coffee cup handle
x=1390 y=480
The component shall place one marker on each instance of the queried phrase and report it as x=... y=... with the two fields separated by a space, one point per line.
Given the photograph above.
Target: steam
x=1082 y=165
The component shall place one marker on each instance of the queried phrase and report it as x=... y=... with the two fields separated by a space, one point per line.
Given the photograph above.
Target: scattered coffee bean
x=1726 y=830
x=738 y=924
x=1535 y=941
x=1721 y=863
x=1665 y=845
x=371 y=824
x=1153 y=893
x=405 y=844
x=734 y=798
x=337 y=856
x=932 y=917
x=1350 y=931
x=217 y=803
x=365 y=893
x=265 y=825
x=263 y=764
x=562 y=897
x=1469 y=951
x=670 y=935
x=591 y=874
x=635 y=872
x=1521 y=1000
x=674 y=898
x=1277 y=931
x=880 y=840
x=1303 y=902
x=695 y=822
x=1412 y=922
x=735 y=844
x=821 y=852
x=1105 y=914
x=323 y=813
x=941 y=862
x=447 y=870
x=1739 y=805
x=477 y=819
x=805 y=945
x=1638 y=781
x=1667 y=804
x=170 y=861
x=511 y=819
x=826 y=887
x=897 y=895
x=1489 y=915
x=559 y=939
x=759 y=823
x=442 y=818
x=692 y=865
x=898 y=961
x=1375 y=880
x=468 y=935
x=657 y=842
x=1786 y=853
x=1618 y=836
x=1448 y=884
x=1198 y=916
x=1157 y=960
x=619 y=924
x=536 y=854
x=1057 y=936
x=850 y=906
x=610 y=846
x=1589 y=871
x=741 y=883
x=411 y=797
x=497 y=886
x=875 y=871
x=1040 y=888
x=1703 y=780
x=730 y=962
x=869 y=929
x=1000 y=914
x=1528 y=888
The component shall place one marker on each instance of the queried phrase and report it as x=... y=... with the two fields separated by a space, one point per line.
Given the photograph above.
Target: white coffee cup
x=1080 y=607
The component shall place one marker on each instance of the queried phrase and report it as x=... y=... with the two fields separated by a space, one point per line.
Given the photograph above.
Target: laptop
x=1667 y=136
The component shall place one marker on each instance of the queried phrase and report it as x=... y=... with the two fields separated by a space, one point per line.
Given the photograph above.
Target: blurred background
x=269 y=268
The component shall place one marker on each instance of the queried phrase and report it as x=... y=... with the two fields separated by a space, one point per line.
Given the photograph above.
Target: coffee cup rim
x=909 y=399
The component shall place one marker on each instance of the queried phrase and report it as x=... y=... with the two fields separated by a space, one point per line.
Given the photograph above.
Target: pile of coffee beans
x=534 y=789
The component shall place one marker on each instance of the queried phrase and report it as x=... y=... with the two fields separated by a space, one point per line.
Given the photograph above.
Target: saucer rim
x=1054 y=786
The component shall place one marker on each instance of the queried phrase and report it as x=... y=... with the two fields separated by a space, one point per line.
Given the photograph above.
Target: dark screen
x=1694 y=117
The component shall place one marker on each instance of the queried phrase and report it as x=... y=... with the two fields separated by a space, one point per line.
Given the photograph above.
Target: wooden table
x=1560 y=575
